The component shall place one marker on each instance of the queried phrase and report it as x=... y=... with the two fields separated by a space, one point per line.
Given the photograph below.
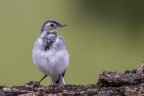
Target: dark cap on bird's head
x=50 y=25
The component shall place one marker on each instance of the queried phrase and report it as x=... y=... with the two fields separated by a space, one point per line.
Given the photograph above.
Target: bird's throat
x=48 y=40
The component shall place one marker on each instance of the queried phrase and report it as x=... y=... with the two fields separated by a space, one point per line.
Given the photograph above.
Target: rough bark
x=129 y=83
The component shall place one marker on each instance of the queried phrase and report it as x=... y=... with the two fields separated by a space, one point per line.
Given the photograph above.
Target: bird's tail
x=58 y=80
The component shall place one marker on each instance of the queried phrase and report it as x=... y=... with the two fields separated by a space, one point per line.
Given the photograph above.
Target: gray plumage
x=50 y=55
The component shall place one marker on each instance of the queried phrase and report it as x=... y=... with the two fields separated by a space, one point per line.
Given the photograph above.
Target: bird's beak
x=62 y=25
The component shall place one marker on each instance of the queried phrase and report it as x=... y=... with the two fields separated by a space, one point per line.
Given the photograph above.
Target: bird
x=50 y=54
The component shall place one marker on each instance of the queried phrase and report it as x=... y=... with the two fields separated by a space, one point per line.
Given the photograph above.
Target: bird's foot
x=36 y=84
x=32 y=84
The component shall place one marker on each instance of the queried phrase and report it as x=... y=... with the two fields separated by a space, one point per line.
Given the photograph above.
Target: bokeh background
x=101 y=35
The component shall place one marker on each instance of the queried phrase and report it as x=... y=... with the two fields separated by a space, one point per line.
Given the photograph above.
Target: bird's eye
x=52 y=25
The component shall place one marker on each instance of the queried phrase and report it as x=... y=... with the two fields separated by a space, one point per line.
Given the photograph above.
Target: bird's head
x=51 y=26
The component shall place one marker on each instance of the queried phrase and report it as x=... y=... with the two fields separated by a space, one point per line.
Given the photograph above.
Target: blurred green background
x=101 y=35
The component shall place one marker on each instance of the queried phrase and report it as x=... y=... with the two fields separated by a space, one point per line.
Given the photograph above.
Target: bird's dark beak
x=62 y=25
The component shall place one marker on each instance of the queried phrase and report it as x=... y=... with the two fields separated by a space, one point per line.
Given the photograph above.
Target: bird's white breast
x=53 y=61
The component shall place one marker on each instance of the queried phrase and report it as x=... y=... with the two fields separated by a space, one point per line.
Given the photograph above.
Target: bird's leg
x=38 y=83
x=42 y=78
x=57 y=82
